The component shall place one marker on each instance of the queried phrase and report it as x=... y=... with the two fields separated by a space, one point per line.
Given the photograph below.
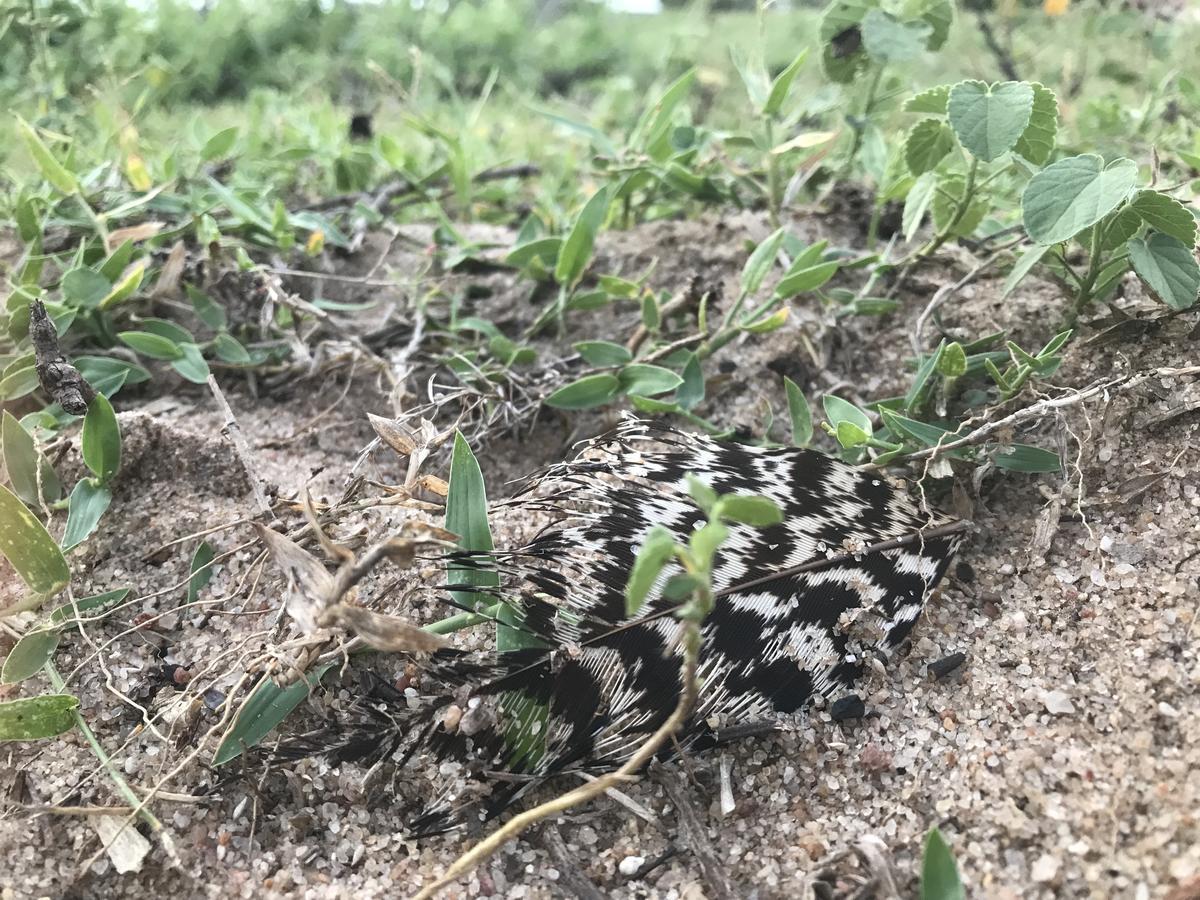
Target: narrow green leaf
x=217 y=146
x=29 y=655
x=750 y=509
x=1027 y=458
x=761 y=261
x=101 y=439
x=576 y=251
x=647 y=380
x=656 y=551
x=799 y=413
x=154 y=346
x=240 y=208
x=201 y=571
x=953 y=361
x=703 y=495
x=783 y=85
x=52 y=170
x=806 y=279
x=926 y=369
x=916 y=204
x=87 y=504
x=939 y=873
x=95 y=602
x=1024 y=266
x=691 y=392
x=33 y=718
x=586 y=392
x=28 y=546
x=603 y=353
x=262 y=712
x=84 y=287
x=26 y=464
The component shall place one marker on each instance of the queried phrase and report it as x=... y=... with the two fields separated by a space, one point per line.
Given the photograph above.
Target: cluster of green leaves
x=910 y=424
x=689 y=582
x=616 y=372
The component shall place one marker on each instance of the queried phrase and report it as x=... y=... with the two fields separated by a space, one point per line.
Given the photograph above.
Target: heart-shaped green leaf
x=1073 y=194
x=1169 y=267
x=989 y=119
x=927 y=144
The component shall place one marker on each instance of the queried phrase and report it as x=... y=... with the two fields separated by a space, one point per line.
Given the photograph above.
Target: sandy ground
x=1060 y=760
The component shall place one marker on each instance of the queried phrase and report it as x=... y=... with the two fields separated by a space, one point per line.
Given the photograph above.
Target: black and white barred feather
x=799 y=608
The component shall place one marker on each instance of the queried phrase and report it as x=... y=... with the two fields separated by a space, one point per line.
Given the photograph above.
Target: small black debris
x=940 y=668
x=849 y=707
x=360 y=127
x=964 y=573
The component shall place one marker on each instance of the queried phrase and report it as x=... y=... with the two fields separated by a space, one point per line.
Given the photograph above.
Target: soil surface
x=1061 y=759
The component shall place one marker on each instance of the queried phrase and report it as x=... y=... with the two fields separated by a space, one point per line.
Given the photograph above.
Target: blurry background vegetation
x=132 y=79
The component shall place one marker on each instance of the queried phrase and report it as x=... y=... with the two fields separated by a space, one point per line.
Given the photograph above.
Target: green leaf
x=704 y=542
x=1027 y=458
x=28 y=546
x=931 y=102
x=888 y=40
x=603 y=353
x=262 y=712
x=761 y=261
x=66 y=612
x=750 y=509
x=1073 y=194
x=154 y=346
x=201 y=571
x=839 y=410
x=920 y=196
x=691 y=392
x=576 y=251
x=191 y=364
x=1120 y=227
x=703 y=495
x=651 y=317
x=939 y=873
x=240 y=208
x=943 y=207
x=799 y=413
x=952 y=363
x=926 y=369
x=544 y=250
x=219 y=145
x=101 y=439
x=123 y=289
x=168 y=329
x=51 y=169
x=754 y=79
x=18 y=382
x=655 y=123
x=84 y=287
x=927 y=145
x=989 y=119
x=841 y=38
x=1024 y=266
x=1037 y=141
x=648 y=381
x=940 y=16
x=230 y=350
x=850 y=435
x=656 y=551
x=1167 y=215
x=33 y=718
x=207 y=310
x=1169 y=267
x=807 y=279
x=29 y=655
x=783 y=85
x=619 y=287
x=766 y=324
x=586 y=392
x=25 y=464
x=467 y=516
x=86 y=505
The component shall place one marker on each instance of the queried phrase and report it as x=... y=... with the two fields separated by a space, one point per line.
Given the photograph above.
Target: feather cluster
x=800 y=607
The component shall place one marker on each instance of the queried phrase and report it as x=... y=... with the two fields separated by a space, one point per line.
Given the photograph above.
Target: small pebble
x=630 y=865
x=940 y=668
x=1045 y=869
x=1059 y=704
x=849 y=707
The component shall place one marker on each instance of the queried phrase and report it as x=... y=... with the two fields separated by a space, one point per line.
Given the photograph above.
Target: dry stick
x=233 y=431
x=695 y=835
x=945 y=292
x=1036 y=410
x=571 y=876
x=518 y=823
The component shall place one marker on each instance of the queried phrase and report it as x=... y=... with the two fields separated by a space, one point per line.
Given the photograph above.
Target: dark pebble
x=942 y=667
x=849 y=707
